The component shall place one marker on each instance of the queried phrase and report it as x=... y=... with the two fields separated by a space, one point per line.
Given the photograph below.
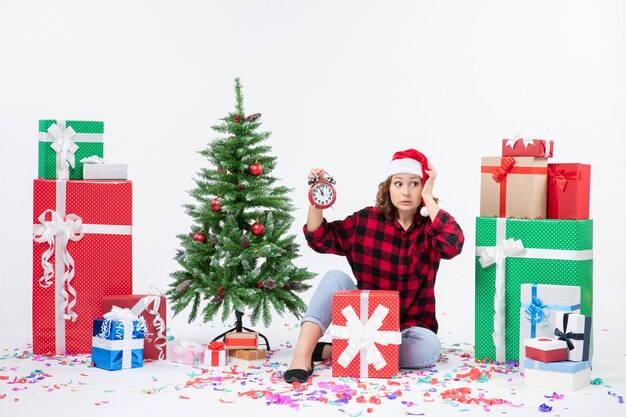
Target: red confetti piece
x=182 y=397
x=4 y=377
x=461 y=395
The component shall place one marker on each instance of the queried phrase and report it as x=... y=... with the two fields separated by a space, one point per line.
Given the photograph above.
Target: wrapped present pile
x=366 y=333
x=534 y=257
x=560 y=362
x=82 y=238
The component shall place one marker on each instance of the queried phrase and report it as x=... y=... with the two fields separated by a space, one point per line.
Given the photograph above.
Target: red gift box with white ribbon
x=152 y=308
x=82 y=252
x=366 y=333
x=520 y=146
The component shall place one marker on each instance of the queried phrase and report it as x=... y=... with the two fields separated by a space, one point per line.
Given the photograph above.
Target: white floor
x=68 y=386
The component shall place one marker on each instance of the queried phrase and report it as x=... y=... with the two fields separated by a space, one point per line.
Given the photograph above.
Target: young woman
x=396 y=245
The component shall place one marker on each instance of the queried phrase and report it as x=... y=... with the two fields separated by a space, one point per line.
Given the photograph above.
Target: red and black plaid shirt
x=384 y=256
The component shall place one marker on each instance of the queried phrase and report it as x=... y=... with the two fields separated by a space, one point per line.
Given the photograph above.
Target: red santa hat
x=409 y=162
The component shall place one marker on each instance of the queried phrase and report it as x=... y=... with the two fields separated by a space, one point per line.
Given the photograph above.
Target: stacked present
x=534 y=229
x=560 y=362
x=244 y=346
x=82 y=250
x=366 y=333
x=151 y=309
x=118 y=340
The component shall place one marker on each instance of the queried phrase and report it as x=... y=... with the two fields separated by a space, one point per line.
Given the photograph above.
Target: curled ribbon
x=506 y=164
x=65 y=148
x=497 y=255
x=64 y=230
x=154 y=300
x=537 y=312
x=363 y=337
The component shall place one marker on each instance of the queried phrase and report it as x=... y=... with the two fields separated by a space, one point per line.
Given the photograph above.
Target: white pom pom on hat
x=410 y=161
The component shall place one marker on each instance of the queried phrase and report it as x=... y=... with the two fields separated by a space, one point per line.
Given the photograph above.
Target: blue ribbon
x=537 y=312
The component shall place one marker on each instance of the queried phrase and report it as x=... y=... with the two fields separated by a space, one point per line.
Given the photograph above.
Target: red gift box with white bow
x=366 y=333
x=152 y=308
x=82 y=252
x=540 y=148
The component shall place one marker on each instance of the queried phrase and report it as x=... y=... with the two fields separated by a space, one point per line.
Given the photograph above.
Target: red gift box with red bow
x=569 y=186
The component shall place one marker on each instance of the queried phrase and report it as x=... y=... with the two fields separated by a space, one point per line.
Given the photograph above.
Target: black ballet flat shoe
x=319 y=349
x=298 y=375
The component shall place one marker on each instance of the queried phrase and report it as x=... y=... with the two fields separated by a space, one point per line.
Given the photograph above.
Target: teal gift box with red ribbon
x=569 y=186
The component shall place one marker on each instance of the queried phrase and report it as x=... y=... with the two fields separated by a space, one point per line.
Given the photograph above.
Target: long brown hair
x=383 y=201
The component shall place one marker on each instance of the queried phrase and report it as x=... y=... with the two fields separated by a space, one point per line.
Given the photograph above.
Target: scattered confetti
x=545 y=408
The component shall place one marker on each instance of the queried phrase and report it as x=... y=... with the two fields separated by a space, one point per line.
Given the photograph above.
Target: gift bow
x=125 y=316
x=567 y=337
x=557 y=176
x=498 y=254
x=537 y=312
x=118 y=313
x=216 y=346
x=64 y=229
x=523 y=137
x=363 y=337
x=158 y=322
x=65 y=148
x=506 y=164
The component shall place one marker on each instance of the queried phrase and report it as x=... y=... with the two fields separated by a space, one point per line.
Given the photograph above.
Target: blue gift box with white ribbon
x=117 y=342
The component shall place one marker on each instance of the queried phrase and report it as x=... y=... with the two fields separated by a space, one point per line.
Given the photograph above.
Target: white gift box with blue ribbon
x=538 y=311
x=117 y=341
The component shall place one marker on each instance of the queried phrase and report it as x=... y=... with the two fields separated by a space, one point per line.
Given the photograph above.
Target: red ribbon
x=506 y=164
x=499 y=175
x=559 y=176
x=216 y=346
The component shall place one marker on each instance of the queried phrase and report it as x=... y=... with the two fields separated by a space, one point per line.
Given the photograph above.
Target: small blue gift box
x=117 y=344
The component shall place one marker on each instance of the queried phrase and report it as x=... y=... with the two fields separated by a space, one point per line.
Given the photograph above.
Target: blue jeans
x=420 y=347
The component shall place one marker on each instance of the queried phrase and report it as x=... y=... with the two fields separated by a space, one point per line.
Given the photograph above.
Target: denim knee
x=420 y=348
x=319 y=310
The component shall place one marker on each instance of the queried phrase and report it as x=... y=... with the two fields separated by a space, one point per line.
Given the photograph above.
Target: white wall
x=340 y=84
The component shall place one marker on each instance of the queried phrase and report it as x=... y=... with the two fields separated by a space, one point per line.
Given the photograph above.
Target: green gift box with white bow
x=63 y=143
x=512 y=252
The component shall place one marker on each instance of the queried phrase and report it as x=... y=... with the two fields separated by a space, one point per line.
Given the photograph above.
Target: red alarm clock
x=322 y=193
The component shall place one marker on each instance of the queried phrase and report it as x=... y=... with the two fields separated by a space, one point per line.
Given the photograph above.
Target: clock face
x=322 y=195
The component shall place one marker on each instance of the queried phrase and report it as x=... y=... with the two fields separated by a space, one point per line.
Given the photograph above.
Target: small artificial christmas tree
x=238 y=255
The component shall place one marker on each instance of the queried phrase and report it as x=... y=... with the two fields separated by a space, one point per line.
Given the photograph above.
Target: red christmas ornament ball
x=257 y=229
x=220 y=289
x=255 y=169
x=199 y=237
x=215 y=205
x=236 y=119
x=286 y=286
x=259 y=285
